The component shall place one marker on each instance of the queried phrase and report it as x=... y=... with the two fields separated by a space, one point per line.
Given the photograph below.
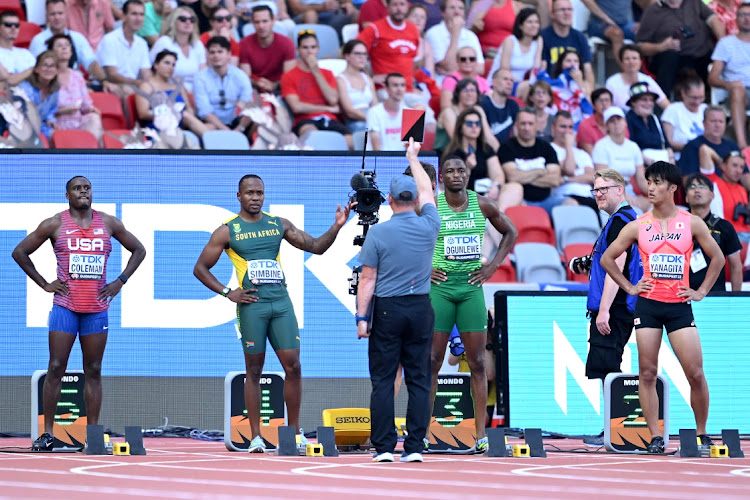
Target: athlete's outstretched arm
x=209 y=257
x=300 y=239
x=47 y=230
x=709 y=245
x=627 y=237
x=137 y=253
x=505 y=227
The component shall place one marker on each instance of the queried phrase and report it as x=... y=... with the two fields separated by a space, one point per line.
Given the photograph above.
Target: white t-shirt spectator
x=440 y=39
x=734 y=53
x=387 y=126
x=187 y=66
x=687 y=125
x=621 y=90
x=583 y=161
x=129 y=60
x=623 y=157
x=16 y=59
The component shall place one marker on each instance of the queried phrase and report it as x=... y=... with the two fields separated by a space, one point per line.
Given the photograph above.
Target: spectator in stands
x=83 y=56
x=676 y=34
x=161 y=80
x=221 y=89
x=417 y=15
x=92 y=18
x=123 y=54
x=492 y=21
x=465 y=96
x=531 y=162
x=699 y=191
x=644 y=126
x=310 y=91
x=541 y=99
x=75 y=108
x=714 y=128
x=561 y=36
x=576 y=165
x=16 y=64
x=221 y=25
x=498 y=107
x=468 y=143
x=731 y=71
x=384 y=119
x=726 y=11
x=612 y=20
x=42 y=89
x=521 y=52
x=334 y=13
x=592 y=129
x=466 y=58
x=356 y=89
x=181 y=37
x=433 y=11
x=569 y=89
x=619 y=153
x=733 y=194
x=621 y=83
x=450 y=35
x=266 y=55
x=683 y=120
x=204 y=10
x=371 y=11
x=392 y=44
x=155 y=12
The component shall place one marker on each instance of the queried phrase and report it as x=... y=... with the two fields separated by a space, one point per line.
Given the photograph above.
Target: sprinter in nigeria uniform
x=457 y=277
x=252 y=239
x=665 y=242
x=81 y=240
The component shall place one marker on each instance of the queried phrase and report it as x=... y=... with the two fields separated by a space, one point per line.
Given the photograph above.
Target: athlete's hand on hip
x=362 y=331
x=110 y=290
x=437 y=276
x=602 y=323
x=689 y=294
x=482 y=274
x=645 y=285
x=57 y=287
x=240 y=296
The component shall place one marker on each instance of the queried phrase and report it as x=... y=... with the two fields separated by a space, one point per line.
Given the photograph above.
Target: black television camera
x=741 y=210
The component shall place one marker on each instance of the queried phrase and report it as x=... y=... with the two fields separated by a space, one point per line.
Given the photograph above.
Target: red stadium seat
x=74 y=139
x=110 y=142
x=506 y=273
x=533 y=224
x=25 y=34
x=111 y=108
x=132 y=112
x=15 y=6
x=576 y=250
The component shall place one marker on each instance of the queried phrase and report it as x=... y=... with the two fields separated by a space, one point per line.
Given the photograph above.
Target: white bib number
x=463 y=247
x=86 y=266
x=264 y=272
x=666 y=266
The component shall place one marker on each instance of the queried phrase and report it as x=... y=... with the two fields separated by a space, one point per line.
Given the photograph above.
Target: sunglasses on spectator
x=9 y=24
x=223 y=18
x=473 y=123
x=467 y=59
x=306 y=32
x=186 y=19
x=734 y=154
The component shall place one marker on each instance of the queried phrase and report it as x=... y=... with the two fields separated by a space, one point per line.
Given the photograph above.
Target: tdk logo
x=630 y=382
x=450 y=381
x=352 y=420
x=667 y=259
x=70 y=378
x=85 y=244
x=467 y=240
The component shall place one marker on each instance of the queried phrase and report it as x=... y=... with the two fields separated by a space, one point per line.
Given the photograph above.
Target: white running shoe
x=257 y=445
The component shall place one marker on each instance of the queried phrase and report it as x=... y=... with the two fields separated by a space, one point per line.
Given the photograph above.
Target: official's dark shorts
x=323 y=123
x=655 y=314
x=62 y=319
x=273 y=320
x=605 y=351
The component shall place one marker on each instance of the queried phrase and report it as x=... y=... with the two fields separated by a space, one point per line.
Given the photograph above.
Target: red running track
x=189 y=469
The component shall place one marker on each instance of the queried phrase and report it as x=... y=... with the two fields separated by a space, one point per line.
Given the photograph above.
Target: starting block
x=499 y=447
x=521 y=450
x=719 y=451
x=120 y=449
x=314 y=450
x=690 y=445
x=731 y=439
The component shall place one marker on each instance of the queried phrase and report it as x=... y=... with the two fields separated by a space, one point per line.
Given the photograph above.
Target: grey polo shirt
x=401 y=250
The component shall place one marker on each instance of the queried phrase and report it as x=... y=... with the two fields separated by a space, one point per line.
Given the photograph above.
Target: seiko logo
x=85 y=244
x=70 y=378
x=629 y=382
x=450 y=381
x=352 y=420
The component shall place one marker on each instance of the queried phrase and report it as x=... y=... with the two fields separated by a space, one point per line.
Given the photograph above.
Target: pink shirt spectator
x=727 y=16
x=74 y=93
x=450 y=81
x=93 y=18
